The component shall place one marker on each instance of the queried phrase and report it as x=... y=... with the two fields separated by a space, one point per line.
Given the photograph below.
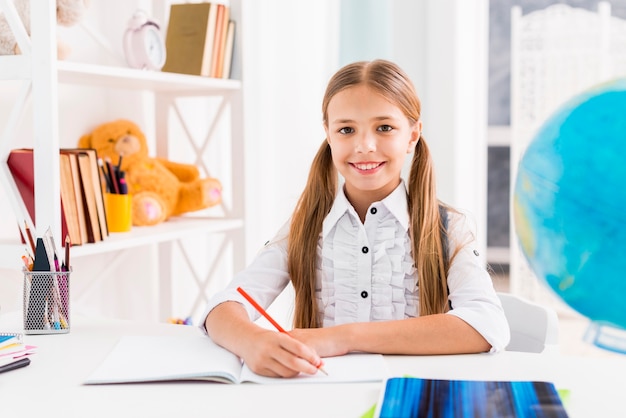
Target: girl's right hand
x=276 y=354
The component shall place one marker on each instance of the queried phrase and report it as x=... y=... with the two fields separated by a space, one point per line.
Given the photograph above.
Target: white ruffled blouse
x=365 y=271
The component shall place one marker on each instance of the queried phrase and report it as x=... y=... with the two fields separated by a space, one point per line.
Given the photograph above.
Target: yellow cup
x=118 y=209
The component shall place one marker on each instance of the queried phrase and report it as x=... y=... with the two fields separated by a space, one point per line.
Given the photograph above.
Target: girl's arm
x=266 y=352
x=433 y=334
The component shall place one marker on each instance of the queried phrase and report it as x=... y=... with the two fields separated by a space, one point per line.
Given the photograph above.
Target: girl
x=376 y=266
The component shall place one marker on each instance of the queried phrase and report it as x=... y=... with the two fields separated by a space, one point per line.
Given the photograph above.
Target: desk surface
x=52 y=384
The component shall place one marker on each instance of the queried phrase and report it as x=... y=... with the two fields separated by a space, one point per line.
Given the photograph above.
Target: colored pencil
x=269 y=318
x=30 y=237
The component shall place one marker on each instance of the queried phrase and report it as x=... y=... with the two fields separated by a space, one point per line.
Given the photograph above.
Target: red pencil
x=269 y=318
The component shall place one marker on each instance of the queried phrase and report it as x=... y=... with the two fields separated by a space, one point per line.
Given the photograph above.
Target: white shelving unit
x=39 y=74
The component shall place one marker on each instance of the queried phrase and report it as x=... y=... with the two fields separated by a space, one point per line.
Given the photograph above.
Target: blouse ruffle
x=388 y=273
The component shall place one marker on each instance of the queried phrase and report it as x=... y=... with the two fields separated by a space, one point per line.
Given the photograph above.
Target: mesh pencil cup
x=46 y=302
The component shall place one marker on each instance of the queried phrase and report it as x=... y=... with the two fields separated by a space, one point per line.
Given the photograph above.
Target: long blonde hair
x=427 y=229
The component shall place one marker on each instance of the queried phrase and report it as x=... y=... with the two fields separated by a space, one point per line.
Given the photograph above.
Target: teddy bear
x=68 y=13
x=160 y=188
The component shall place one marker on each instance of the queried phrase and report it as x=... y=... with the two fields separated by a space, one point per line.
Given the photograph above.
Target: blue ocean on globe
x=569 y=208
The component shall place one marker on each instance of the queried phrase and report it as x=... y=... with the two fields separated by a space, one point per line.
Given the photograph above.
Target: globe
x=569 y=208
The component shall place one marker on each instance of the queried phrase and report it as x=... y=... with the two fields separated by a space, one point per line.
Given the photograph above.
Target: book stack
x=200 y=40
x=83 y=216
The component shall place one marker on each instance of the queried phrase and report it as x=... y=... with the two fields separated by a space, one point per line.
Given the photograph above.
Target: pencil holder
x=46 y=302
x=118 y=208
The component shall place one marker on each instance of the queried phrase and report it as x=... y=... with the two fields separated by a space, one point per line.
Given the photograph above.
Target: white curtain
x=290 y=50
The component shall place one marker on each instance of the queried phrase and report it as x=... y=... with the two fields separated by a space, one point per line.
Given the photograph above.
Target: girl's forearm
x=432 y=334
x=228 y=324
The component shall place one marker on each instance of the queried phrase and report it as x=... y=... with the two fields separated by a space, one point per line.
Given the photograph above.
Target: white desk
x=51 y=385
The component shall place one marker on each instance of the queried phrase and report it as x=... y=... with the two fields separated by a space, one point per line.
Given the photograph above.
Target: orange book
x=219 y=29
x=221 y=45
x=68 y=199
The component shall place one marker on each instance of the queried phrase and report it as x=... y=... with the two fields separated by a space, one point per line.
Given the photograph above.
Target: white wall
x=442 y=45
x=454 y=72
x=290 y=51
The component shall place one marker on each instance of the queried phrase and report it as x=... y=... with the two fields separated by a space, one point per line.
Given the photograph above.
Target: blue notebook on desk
x=429 y=398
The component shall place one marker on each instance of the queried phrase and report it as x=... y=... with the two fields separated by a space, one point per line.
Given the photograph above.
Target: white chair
x=534 y=328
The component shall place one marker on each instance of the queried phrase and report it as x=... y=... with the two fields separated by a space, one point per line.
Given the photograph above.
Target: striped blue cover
x=429 y=398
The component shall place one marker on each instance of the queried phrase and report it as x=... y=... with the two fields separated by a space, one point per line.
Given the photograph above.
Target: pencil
x=30 y=237
x=107 y=179
x=112 y=175
x=269 y=318
x=67 y=251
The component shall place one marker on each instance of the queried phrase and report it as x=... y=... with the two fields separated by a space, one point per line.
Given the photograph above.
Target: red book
x=21 y=165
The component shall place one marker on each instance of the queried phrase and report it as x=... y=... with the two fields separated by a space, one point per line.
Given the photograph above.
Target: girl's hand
x=327 y=342
x=276 y=354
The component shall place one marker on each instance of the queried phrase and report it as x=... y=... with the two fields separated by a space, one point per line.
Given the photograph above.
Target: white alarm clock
x=144 y=47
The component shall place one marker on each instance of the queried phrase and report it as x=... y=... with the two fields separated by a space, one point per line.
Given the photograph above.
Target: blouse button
x=365 y=250
x=364 y=294
x=373 y=211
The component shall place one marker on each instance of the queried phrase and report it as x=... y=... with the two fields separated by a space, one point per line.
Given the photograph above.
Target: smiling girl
x=378 y=264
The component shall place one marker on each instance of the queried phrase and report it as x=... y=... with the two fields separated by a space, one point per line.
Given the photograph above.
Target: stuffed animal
x=160 y=188
x=69 y=12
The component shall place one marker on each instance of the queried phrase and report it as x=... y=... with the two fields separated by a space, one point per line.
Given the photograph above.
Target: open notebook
x=168 y=358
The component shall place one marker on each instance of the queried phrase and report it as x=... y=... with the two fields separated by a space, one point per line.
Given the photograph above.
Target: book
x=78 y=197
x=416 y=397
x=21 y=166
x=189 y=38
x=209 y=44
x=228 y=50
x=68 y=199
x=221 y=28
x=196 y=357
x=97 y=189
x=89 y=198
x=84 y=163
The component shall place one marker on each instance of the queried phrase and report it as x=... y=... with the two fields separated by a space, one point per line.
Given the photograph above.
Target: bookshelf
x=40 y=74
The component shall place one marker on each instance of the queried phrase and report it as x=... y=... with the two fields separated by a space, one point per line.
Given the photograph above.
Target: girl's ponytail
x=306 y=226
x=427 y=234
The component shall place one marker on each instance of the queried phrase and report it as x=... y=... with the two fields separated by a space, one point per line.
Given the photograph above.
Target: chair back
x=534 y=328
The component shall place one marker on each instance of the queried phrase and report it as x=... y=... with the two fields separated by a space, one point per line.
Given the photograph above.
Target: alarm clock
x=144 y=47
